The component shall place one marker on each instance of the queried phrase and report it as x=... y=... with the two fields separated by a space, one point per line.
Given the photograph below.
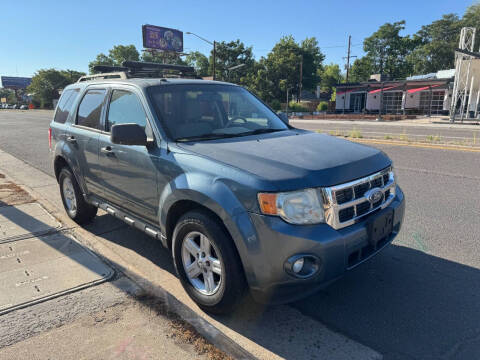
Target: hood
x=294 y=159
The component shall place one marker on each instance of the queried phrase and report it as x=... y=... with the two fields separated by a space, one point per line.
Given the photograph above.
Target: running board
x=131 y=220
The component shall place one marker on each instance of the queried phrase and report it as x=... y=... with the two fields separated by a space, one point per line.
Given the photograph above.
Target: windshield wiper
x=260 y=131
x=211 y=136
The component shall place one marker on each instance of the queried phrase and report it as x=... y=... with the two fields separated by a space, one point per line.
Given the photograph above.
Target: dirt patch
x=12 y=194
x=183 y=332
x=186 y=333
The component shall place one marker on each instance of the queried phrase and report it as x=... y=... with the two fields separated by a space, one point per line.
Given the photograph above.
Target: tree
x=312 y=59
x=435 y=45
x=163 y=58
x=387 y=50
x=280 y=70
x=330 y=75
x=46 y=84
x=231 y=54
x=361 y=70
x=199 y=62
x=8 y=94
x=472 y=18
x=116 y=56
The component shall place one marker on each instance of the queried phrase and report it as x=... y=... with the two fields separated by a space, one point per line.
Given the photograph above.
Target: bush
x=322 y=106
x=296 y=107
x=276 y=105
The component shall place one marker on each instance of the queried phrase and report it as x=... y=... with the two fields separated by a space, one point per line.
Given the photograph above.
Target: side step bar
x=133 y=221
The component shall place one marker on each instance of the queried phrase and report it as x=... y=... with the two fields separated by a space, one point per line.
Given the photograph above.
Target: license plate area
x=380 y=226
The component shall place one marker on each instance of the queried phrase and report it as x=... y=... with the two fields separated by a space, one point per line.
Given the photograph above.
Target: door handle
x=71 y=139
x=107 y=150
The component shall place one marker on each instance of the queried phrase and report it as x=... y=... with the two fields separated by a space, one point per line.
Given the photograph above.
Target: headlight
x=295 y=207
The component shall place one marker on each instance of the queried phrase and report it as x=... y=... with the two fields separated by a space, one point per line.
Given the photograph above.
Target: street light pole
x=214 y=49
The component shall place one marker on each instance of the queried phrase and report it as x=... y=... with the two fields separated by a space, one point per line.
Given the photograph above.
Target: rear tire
x=216 y=281
x=73 y=201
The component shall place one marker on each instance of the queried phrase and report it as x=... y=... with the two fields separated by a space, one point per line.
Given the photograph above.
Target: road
x=419 y=298
x=458 y=133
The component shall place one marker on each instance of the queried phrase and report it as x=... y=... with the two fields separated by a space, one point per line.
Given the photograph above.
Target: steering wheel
x=232 y=120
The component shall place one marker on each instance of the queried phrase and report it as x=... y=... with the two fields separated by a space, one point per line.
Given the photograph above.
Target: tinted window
x=125 y=107
x=90 y=108
x=65 y=105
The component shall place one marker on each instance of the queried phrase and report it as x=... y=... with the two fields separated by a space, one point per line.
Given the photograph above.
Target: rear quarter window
x=90 y=108
x=65 y=105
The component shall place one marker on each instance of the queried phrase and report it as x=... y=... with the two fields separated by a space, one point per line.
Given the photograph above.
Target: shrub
x=276 y=105
x=297 y=107
x=322 y=106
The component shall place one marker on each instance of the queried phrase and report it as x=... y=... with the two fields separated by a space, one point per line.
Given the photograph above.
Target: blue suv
x=243 y=200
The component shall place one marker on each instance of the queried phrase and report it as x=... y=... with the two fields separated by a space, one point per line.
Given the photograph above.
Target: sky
x=69 y=34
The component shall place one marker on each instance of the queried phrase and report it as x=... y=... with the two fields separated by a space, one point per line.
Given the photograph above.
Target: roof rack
x=139 y=69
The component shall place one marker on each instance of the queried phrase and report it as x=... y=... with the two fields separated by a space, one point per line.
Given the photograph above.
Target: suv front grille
x=346 y=203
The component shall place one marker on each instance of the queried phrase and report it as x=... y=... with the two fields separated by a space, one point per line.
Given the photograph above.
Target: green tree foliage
x=472 y=18
x=8 y=94
x=329 y=75
x=199 y=62
x=116 y=56
x=435 y=45
x=46 y=84
x=387 y=50
x=280 y=70
x=361 y=70
x=163 y=58
x=231 y=54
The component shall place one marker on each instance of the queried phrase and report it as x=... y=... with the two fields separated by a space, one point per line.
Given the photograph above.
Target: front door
x=128 y=173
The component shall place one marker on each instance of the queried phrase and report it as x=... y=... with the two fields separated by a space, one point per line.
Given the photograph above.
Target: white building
x=424 y=94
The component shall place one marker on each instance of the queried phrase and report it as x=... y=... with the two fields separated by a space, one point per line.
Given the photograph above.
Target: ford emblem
x=374 y=195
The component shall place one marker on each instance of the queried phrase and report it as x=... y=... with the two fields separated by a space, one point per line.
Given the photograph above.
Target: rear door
x=129 y=173
x=82 y=137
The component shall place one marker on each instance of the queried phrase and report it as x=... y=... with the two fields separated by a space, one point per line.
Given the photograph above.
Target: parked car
x=242 y=199
x=23 y=107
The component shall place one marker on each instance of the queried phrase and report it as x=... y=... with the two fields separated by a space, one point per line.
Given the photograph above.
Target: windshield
x=204 y=111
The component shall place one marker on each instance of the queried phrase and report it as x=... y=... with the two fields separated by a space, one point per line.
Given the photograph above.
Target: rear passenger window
x=125 y=107
x=65 y=104
x=90 y=108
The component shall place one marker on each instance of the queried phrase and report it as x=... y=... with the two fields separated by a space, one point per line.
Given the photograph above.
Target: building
x=422 y=94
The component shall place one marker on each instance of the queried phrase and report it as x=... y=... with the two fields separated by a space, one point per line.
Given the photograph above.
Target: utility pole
x=301 y=78
x=348 y=56
x=214 y=58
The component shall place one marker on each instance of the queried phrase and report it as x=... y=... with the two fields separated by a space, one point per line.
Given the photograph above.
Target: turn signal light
x=268 y=203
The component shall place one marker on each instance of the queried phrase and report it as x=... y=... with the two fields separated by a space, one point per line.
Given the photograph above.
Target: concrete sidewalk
x=254 y=331
x=52 y=306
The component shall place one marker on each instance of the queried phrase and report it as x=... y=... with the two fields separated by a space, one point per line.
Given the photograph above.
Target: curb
x=173 y=305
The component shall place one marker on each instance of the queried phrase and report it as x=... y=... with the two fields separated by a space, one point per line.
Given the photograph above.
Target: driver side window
x=125 y=108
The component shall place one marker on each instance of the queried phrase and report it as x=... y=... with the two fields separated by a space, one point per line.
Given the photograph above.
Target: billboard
x=15 y=83
x=160 y=38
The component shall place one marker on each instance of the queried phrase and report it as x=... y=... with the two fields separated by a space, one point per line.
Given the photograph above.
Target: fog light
x=302 y=266
x=298 y=265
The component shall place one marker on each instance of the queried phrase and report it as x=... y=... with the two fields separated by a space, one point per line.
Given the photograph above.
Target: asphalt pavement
x=419 y=298
x=424 y=131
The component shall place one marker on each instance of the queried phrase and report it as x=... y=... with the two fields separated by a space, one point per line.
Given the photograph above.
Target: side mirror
x=284 y=117
x=128 y=134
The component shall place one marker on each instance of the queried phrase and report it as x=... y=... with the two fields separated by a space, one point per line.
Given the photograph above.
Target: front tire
x=207 y=263
x=75 y=205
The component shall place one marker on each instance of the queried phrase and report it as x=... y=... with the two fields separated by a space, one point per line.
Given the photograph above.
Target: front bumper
x=338 y=251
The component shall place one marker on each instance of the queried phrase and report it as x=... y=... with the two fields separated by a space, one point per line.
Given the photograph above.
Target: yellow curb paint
x=418 y=145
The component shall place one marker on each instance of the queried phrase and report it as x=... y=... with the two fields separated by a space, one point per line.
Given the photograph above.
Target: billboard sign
x=15 y=83
x=160 y=38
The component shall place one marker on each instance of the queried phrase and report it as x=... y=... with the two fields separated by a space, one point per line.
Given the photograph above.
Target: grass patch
x=388 y=137
x=433 y=138
x=403 y=137
x=355 y=134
